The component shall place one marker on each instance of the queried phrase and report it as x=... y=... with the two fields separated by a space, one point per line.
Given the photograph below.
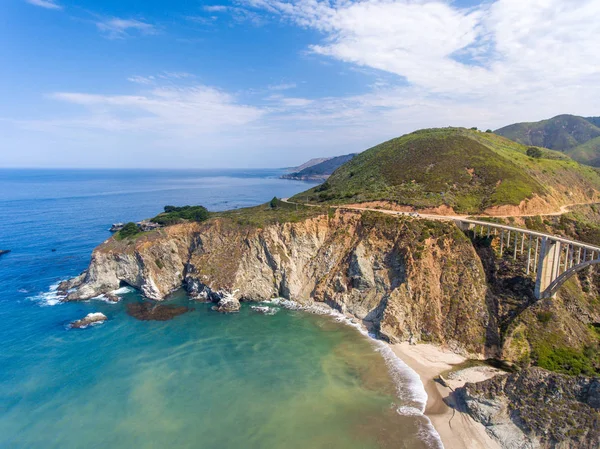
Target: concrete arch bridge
x=552 y=259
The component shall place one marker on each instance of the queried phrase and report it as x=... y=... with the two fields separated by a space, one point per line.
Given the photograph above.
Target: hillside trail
x=563 y=210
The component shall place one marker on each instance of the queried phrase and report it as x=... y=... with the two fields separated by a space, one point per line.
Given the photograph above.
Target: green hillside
x=467 y=170
x=562 y=132
x=579 y=137
x=587 y=153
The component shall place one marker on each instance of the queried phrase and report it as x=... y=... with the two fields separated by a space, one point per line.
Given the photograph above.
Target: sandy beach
x=457 y=430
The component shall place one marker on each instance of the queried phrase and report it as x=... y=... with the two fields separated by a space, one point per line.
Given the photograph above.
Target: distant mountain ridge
x=319 y=171
x=578 y=137
x=307 y=164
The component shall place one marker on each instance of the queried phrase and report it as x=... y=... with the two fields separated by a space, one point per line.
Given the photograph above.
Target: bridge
x=551 y=259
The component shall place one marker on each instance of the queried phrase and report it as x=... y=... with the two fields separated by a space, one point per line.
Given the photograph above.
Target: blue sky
x=263 y=83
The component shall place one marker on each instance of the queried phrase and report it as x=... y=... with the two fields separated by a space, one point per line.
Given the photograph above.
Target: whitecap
x=123 y=290
x=409 y=387
x=265 y=310
x=50 y=298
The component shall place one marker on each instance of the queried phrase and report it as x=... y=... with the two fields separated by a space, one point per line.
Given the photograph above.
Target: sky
x=271 y=83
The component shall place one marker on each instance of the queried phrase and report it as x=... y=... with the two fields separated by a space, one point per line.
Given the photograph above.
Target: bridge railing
x=551 y=258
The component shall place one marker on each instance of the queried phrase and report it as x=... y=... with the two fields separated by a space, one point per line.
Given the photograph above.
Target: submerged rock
x=111 y=297
x=227 y=304
x=146 y=311
x=88 y=320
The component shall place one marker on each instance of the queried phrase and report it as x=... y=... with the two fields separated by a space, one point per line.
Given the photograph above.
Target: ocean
x=202 y=380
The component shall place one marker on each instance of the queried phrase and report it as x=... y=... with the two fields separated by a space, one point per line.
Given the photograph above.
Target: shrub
x=544 y=317
x=489 y=131
x=129 y=230
x=274 y=202
x=534 y=152
x=173 y=215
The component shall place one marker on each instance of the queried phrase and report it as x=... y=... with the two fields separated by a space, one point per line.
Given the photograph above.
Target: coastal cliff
x=406 y=279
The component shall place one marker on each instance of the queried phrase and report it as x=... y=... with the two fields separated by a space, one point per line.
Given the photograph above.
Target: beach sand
x=457 y=430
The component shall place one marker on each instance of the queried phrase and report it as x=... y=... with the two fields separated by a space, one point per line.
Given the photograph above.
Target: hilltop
x=319 y=171
x=579 y=137
x=466 y=170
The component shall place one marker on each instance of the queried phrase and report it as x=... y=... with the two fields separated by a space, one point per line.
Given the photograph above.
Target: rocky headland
x=406 y=279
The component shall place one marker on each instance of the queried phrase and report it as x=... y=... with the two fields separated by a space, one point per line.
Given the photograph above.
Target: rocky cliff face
x=405 y=278
x=537 y=409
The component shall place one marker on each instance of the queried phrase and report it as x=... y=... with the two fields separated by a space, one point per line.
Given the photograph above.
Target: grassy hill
x=579 y=137
x=467 y=170
x=562 y=132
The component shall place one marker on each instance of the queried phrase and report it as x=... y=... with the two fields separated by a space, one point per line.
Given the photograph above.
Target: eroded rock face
x=404 y=278
x=88 y=320
x=146 y=311
x=536 y=408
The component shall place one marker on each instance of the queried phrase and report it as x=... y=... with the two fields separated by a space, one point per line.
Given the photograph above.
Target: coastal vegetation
x=173 y=215
x=467 y=170
x=129 y=230
x=578 y=137
x=273 y=212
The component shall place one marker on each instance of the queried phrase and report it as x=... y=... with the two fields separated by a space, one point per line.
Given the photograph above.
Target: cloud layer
x=487 y=66
x=48 y=4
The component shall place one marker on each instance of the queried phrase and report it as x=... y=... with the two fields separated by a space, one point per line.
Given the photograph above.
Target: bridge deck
x=530 y=232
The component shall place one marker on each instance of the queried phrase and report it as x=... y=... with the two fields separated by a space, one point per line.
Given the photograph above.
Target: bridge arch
x=564 y=277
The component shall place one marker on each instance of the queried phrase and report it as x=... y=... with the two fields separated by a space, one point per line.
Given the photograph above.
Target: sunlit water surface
x=201 y=380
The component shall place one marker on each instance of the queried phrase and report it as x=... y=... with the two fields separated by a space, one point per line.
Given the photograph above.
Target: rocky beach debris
x=111 y=297
x=265 y=310
x=89 y=320
x=147 y=311
x=535 y=408
x=144 y=225
x=228 y=304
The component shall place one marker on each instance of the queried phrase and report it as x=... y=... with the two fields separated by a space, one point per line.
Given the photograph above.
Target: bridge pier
x=548 y=265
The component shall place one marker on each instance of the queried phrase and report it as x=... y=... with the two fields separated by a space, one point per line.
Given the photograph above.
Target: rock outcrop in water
x=404 y=278
x=88 y=320
x=537 y=409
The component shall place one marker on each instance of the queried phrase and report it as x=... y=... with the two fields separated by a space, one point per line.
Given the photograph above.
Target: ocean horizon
x=201 y=380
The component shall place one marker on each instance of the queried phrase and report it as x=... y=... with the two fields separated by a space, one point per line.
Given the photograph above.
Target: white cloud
x=164 y=109
x=282 y=86
x=48 y=4
x=147 y=80
x=506 y=50
x=116 y=28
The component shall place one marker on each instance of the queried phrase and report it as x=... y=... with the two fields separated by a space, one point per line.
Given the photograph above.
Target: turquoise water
x=201 y=380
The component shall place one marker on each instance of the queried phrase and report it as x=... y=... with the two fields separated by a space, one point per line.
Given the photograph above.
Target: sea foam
x=409 y=387
x=50 y=298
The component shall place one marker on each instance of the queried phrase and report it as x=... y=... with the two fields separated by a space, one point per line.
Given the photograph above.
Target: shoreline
x=456 y=429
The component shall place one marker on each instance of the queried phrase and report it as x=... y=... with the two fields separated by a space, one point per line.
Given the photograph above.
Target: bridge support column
x=547 y=266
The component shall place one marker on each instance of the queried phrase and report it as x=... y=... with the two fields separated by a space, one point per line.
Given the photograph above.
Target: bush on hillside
x=173 y=215
x=129 y=230
x=534 y=152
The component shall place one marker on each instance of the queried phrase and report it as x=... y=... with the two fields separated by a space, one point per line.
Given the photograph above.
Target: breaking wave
x=409 y=387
